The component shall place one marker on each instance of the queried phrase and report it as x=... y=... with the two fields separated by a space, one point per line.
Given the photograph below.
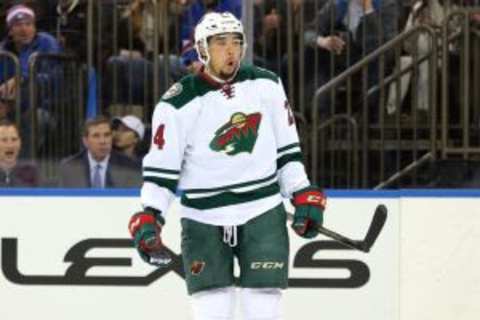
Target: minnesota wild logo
x=238 y=135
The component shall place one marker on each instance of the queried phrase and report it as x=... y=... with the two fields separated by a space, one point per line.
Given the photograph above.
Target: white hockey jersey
x=231 y=150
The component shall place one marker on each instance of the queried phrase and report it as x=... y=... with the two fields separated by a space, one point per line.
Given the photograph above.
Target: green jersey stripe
x=151 y=169
x=290 y=151
x=165 y=183
x=287 y=147
x=161 y=175
x=233 y=186
x=230 y=198
x=289 y=157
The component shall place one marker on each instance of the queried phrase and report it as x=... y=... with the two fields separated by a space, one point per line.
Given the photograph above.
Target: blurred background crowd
x=385 y=92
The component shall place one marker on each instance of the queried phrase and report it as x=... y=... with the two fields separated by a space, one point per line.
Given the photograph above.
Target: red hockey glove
x=145 y=228
x=309 y=205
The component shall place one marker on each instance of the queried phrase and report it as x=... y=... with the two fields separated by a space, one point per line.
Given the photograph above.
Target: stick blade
x=378 y=221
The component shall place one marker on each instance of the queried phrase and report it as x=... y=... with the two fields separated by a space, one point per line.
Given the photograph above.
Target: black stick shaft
x=355 y=244
x=336 y=236
x=376 y=226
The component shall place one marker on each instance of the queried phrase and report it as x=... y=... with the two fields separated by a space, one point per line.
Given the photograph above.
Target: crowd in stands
x=141 y=42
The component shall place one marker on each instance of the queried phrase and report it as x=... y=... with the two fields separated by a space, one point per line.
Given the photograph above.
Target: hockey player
x=227 y=138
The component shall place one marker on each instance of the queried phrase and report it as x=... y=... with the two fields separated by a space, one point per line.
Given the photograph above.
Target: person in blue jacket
x=22 y=41
x=17 y=48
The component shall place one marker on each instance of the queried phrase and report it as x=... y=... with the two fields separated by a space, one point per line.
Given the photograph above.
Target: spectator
x=130 y=73
x=97 y=166
x=128 y=133
x=190 y=19
x=270 y=33
x=72 y=27
x=354 y=23
x=44 y=10
x=273 y=36
x=13 y=172
x=271 y=29
x=431 y=13
x=140 y=16
x=23 y=41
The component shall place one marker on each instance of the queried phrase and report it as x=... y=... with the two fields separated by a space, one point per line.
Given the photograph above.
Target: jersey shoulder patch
x=184 y=91
x=173 y=91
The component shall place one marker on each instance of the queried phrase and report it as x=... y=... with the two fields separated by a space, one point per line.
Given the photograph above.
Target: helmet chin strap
x=205 y=49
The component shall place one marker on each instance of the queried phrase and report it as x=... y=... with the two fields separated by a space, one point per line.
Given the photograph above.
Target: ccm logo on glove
x=310 y=198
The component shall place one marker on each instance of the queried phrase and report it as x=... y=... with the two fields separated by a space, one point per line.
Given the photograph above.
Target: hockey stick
x=376 y=226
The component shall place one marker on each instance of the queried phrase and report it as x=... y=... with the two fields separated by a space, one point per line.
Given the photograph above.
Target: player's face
x=225 y=52
x=23 y=32
x=99 y=141
x=10 y=144
x=123 y=137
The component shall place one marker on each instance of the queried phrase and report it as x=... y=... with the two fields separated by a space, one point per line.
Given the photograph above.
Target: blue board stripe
x=333 y=193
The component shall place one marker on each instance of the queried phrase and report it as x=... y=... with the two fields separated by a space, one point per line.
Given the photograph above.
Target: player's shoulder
x=180 y=93
x=183 y=92
x=252 y=72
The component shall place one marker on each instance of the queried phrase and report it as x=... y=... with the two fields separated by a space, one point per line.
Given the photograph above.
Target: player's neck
x=215 y=79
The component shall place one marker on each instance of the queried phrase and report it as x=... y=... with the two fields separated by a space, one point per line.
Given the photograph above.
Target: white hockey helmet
x=214 y=23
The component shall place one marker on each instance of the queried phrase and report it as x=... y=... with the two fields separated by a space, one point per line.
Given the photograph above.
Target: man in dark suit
x=98 y=166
